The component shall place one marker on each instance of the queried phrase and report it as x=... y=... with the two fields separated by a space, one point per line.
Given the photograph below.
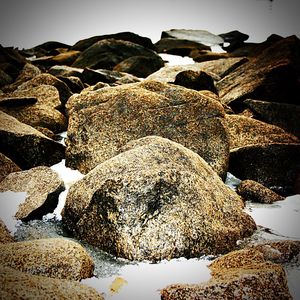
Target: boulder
x=274 y=165
x=243 y=274
x=106 y=54
x=19 y=285
x=284 y=115
x=245 y=131
x=253 y=191
x=65 y=71
x=102 y=121
x=5 y=235
x=7 y=166
x=26 y=146
x=42 y=185
x=5 y=79
x=272 y=75
x=53 y=257
x=234 y=38
x=205 y=55
x=156 y=200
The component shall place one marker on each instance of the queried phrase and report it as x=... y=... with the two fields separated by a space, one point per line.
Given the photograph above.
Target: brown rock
x=5 y=235
x=7 y=166
x=43 y=187
x=102 y=121
x=204 y=55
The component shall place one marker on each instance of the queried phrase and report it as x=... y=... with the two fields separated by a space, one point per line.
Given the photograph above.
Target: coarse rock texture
x=18 y=285
x=275 y=166
x=272 y=75
x=26 y=146
x=157 y=200
x=43 y=113
x=243 y=274
x=284 y=115
x=5 y=235
x=53 y=257
x=245 y=131
x=253 y=191
x=106 y=54
x=102 y=121
x=7 y=166
x=42 y=186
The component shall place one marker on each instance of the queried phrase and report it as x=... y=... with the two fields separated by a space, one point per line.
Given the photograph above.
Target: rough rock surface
x=102 y=121
x=18 y=285
x=157 y=200
x=253 y=191
x=5 y=235
x=26 y=146
x=7 y=166
x=42 y=186
x=243 y=274
x=53 y=257
x=275 y=166
x=245 y=131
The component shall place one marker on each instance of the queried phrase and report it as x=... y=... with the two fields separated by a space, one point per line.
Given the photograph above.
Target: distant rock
x=157 y=200
x=47 y=48
x=42 y=186
x=275 y=166
x=286 y=116
x=59 y=258
x=106 y=54
x=235 y=39
x=245 y=131
x=7 y=166
x=243 y=274
x=65 y=71
x=199 y=36
x=26 y=146
x=205 y=55
x=102 y=121
x=19 y=285
x=5 y=235
x=253 y=191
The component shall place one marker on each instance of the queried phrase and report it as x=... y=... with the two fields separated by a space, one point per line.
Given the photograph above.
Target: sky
x=27 y=23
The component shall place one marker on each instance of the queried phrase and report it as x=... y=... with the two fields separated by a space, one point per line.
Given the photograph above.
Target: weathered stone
x=18 y=285
x=204 y=55
x=7 y=166
x=157 y=200
x=47 y=48
x=235 y=39
x=53 y=257
x=65 y=71
x=243 y=274
x=253 y=191
x=26 y=146
x=5 y=79
x=275 y=166
x=74 y=83
x=140 y=66
x=245 y=131
x=102 y=121
x=66 y=58
x=106 y=54
x=42 y=186
x=16 y=101
x=5 y=235
x=124 y=36
x=271 y=76
x=286 y=116
x=199 y=36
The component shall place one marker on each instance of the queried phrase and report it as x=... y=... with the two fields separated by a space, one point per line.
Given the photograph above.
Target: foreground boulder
x=5 y=234
x=53 y=257
x=18 y=285
x=42 y=186
x=157 y=200
x=26 y=146
x=102 y=121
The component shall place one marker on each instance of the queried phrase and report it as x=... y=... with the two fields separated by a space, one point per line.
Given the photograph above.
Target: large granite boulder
x=42 y=185
x=7 y=166
x=26 y=146
x=102 y=121
x=157 y=200
x=53 y=257
x=19 y=285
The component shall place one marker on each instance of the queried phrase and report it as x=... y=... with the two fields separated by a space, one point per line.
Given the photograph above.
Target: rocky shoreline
x=154 y=144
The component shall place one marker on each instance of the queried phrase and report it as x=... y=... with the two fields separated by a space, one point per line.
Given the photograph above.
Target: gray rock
x=157 y=200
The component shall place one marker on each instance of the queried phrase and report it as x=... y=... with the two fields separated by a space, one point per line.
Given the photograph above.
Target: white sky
x=27 y=23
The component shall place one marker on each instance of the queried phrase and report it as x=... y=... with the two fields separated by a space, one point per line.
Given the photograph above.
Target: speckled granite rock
x=53 y=257
x=157 y=200
x=18 y=285
x=253 y=191
x=7 y=166
x=5 y=235
x=43 y=187
x=243 y=274
x=102 y=121
x=244 y=131
x=26 y=146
